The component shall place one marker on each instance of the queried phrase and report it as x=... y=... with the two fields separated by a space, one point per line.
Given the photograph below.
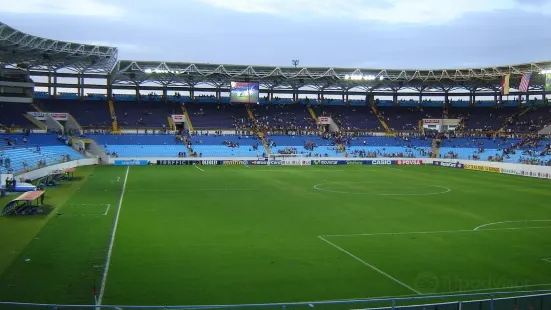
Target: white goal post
x=288 y=159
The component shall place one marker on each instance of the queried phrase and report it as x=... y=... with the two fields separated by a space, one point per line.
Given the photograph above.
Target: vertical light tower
x=295 y=62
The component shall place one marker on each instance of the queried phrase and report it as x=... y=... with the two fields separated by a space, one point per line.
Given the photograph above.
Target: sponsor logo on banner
x=381 y=162
x=409 y=162
x=265 y=163
x=291 y=162
x=324 y=120
x=59 y=116
x=483 y=168
x=38 y=115
x=432 y=121
x=178 y=118
x=447 y=164
x=131 y=162
x=173 y=162
x=234 y=162
x=306 y=162
x=209 y=162
x=355 y=162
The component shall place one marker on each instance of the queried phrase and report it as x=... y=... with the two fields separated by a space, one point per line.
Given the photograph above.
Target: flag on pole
x=548 y=82
x=525 y=82
x=505 y=84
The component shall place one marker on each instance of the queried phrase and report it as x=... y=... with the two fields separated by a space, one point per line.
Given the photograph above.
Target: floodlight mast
x=295 y=62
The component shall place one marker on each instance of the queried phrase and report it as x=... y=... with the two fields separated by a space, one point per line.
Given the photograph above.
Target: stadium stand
x=144 y=114
x=12 y=115
x=88 y=113
x=276 y=117
x=28 y=152
x=217 y=116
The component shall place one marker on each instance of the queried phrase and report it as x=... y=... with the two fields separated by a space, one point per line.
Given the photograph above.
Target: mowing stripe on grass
x=372 y=267
x=112 y=241
x=505 y=222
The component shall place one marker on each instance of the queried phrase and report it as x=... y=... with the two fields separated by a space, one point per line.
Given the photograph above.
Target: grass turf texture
x=230 y=235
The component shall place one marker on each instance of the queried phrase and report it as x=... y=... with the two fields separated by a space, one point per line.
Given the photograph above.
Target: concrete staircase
x=258 y=133
x=113 y=116
x=188 y=120
x=382 y=121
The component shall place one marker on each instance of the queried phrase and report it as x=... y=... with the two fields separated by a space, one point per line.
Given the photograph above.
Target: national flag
x=525 y=82
x=548 y=82
x=505 y=84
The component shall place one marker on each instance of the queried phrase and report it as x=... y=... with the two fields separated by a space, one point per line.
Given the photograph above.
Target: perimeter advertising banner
x=483 y=168
x=265 y=162
x=131 y=162
x=328 y=162
x=448 y=164
x=174 y=162
x=414 y=162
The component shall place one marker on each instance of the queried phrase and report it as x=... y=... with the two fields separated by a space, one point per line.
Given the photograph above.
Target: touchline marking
x=505 y=222
x=436 y=232
x=372 y=267
x=112 y=241
x=199 y=168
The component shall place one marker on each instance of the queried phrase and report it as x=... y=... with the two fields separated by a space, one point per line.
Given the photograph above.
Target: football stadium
x=131 y=184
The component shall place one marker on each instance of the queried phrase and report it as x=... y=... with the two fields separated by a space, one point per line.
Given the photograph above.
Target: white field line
x=547 y=260
x=199 y=168
x=371 y=266
x=505 y=222
x=112 y=241
x=437 y=232
x=107 y=209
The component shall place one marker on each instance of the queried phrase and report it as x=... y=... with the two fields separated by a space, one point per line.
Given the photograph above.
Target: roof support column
x=192 y=92
x=55 y=82
x=495 y=100
x=49 y=82
x=165 y=94
x=420 y=99
x=80 y=85
x=395 y=98
x=109 y=93
x=137 y=92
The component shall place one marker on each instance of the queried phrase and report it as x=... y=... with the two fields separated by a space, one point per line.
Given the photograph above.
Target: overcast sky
x=336 y=33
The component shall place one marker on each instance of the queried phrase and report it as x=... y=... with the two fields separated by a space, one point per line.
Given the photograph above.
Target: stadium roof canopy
x=216 y=75
x=25 y=51
x=41 y=57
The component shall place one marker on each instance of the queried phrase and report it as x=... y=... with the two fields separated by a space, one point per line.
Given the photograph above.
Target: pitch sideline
x=112 y=241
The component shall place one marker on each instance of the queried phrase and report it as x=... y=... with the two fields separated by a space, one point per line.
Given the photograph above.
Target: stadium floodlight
x=359 y=77
x=381 y=78
x=546 y=71
x=295 y=62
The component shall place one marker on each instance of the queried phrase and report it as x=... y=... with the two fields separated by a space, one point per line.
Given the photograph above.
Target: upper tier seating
x=403 y=118
x=91 y=113
x=284 y=116
x=11 y=115
x=216 y=116
x=144 y=114
x=353 y=118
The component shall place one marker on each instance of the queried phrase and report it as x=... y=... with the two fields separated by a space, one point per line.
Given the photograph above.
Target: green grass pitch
x=226 y=235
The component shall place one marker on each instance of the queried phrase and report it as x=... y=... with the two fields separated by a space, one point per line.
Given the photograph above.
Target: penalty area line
x=371 y=266
x=199 y=168
x=112 y=241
